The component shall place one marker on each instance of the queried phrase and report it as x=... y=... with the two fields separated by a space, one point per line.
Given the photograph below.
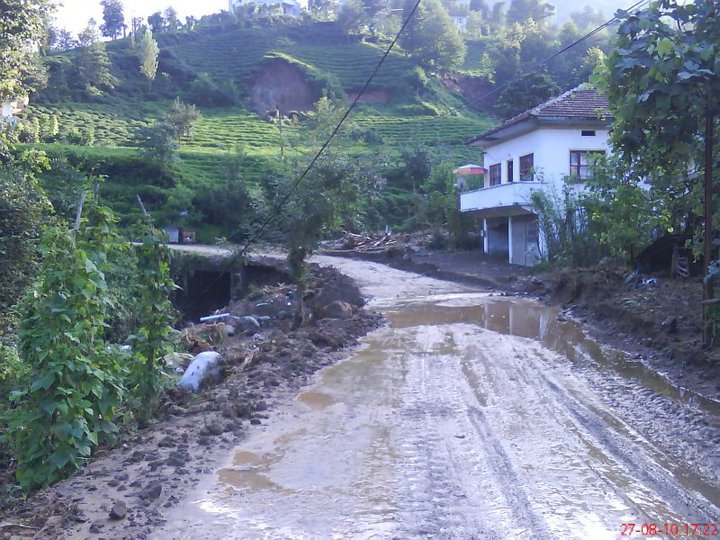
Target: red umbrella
x=470 y=168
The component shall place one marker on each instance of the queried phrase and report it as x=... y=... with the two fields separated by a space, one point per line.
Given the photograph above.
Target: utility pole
x=708 y=285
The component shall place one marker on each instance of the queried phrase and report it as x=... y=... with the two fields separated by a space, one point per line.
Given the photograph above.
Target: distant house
x=291 y=8
x=9 y=109
x=460 y=21
x=536 y=150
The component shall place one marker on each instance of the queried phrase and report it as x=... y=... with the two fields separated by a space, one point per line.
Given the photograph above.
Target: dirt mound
x=280 y=85
x=477 y=90
x=154 y=467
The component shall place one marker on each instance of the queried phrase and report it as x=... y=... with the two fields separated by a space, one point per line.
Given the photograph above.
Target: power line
x=636 y=5
x=283 y=201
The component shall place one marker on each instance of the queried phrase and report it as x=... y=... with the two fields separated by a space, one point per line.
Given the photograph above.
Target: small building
x=173 y=234
x=460 y=21
x=536 y=150
x=291 y=8
x=9 y=109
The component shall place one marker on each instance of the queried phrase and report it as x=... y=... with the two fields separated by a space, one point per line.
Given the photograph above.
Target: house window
x=587 y=133
x=527 y=164
x=510 y=170
x=579 y=163
x=495 y=174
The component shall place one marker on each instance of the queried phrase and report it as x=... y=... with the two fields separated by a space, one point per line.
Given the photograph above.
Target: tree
x=65 y=40
x=24 y=211
x=159 y=142
x=588 y=17
x=431 y=36
x=148 y=54
x=156 y=22
x=330 y=197
x=22 y=28
x=529 y=10
x=352 y=16
x=183 y=116
x=662 y=82
x=623 y=213
x=498 y=18
x=171 y=19
x=530 y=90
x=476 y=25
x=113 y=17
x=93 y=61
x=480 y=6
x=323 y=9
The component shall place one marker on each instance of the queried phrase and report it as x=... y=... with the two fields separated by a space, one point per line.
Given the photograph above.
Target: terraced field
x=322 y=48
x=226 y=129
x=419 y=110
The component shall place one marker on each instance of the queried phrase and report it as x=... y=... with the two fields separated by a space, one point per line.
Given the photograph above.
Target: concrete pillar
x=510 y=240
x=486 y=241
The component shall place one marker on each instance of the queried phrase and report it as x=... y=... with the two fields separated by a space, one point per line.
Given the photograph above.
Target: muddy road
x=470 y=416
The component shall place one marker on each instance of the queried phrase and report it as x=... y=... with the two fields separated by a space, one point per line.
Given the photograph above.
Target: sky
x=74 y=14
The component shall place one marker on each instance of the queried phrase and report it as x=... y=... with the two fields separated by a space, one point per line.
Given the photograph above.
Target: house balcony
x=503 y=199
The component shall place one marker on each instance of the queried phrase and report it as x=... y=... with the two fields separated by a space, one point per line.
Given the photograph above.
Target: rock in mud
x=248 y=324
x=337 y=310
x=204 y=368
x=118 y=510
x=152 y=491
x=669 y=324
x=214 y=428
x=166 y=442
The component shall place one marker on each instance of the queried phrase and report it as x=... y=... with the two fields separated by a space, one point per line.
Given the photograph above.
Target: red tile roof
x=577 y=104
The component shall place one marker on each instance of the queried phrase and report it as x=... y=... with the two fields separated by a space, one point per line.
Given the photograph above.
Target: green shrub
x=151 y=340
x=69 y=400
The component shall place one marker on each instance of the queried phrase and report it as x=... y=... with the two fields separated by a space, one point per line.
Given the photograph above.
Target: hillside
x=237 y=76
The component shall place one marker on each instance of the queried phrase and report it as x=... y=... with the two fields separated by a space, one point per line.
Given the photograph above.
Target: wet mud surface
x=470 y=416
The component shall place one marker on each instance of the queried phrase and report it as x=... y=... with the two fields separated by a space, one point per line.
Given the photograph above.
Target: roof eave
x=493 y=137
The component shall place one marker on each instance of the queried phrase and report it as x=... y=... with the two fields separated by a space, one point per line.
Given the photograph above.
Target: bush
x=71 y=385
x=68 y=403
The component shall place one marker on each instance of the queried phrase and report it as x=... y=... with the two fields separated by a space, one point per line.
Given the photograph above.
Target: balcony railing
x=500 y=196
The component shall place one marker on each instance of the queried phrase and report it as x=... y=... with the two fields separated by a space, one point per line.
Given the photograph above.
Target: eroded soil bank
x=154 y=467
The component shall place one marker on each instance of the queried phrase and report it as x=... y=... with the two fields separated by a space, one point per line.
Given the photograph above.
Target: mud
x=470 y=416
x=154 y=468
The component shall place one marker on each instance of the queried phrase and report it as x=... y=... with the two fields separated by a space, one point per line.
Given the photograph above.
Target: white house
x=9 y=109
x=292 y=8
x=460 y=21
x=536 y=150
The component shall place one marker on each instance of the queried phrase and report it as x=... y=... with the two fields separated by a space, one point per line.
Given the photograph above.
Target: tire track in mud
x=462 y=482
x=639 y=470
x=632 y=455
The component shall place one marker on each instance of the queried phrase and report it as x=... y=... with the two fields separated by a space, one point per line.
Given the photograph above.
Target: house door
x=525 y=236
x=497 y=232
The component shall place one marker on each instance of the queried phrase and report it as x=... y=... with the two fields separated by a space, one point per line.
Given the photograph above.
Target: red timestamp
x=680 y=530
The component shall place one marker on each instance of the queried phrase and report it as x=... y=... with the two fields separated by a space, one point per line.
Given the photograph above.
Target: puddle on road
x=529 y=319
x=334 y=458
x=315 y=400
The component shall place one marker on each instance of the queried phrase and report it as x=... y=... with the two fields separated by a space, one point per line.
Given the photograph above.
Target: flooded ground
x=469 y=416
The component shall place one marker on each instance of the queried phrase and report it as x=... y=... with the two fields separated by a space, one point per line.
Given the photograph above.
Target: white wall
x=6 y=110
x=551 y=148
